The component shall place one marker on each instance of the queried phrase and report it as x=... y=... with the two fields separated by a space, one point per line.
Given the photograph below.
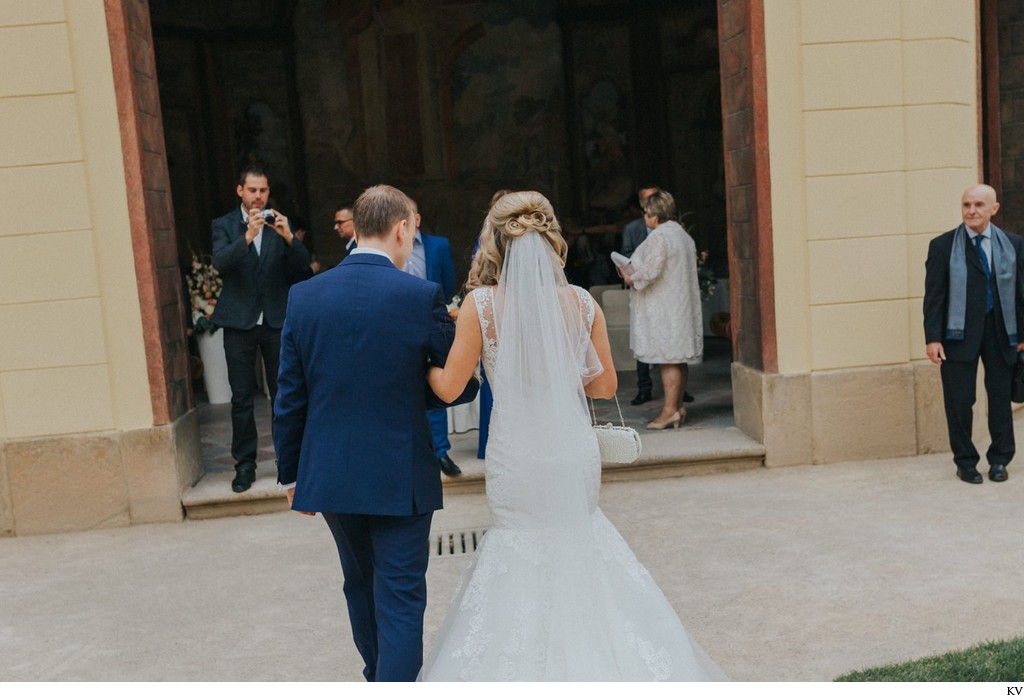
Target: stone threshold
x=672 y=453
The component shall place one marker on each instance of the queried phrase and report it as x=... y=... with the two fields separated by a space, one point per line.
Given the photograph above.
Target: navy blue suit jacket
x=437 y=252
x=254 y=282
x=350 y=423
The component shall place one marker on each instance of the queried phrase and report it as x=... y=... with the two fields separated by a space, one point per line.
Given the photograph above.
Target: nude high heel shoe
x=674 y=421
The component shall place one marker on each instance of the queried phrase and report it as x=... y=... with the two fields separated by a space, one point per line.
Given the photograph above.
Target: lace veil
x=544 y=356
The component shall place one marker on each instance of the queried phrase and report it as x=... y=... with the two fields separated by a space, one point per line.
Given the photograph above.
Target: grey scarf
x=1004 y=266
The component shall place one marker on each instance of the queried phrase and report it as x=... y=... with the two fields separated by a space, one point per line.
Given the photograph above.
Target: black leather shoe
x=997 y=472
x=687 y=398
x=245 y=474
x=641 y=397
x=448 y=466
x=971 y=476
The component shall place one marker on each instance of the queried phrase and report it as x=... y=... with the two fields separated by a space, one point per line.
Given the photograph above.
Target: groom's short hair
x=378 y=209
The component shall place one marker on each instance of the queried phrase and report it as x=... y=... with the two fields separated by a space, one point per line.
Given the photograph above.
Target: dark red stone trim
x=1004 y=83
x=763 y=189
x=988 y=93
x=154 y=242
x=748 y=182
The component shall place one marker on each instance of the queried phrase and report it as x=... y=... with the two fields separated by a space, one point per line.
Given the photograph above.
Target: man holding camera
x=258 y=257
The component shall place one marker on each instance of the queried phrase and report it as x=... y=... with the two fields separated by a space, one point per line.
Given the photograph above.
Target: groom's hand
x=291 y=499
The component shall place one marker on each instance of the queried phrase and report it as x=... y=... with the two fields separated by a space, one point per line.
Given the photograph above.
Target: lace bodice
x=484 y=299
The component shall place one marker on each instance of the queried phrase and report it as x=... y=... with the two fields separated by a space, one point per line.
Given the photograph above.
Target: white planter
x=215 y=366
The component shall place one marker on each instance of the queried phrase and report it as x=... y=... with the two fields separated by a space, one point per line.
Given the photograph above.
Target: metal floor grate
x=456 y=543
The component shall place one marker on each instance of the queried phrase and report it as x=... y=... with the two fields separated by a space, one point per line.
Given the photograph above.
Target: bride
x=553 y=592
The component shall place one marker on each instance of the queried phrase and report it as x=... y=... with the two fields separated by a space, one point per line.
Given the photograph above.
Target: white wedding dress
x=553 y=593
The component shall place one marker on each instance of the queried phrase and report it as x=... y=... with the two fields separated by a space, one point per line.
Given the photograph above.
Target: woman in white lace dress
x=553 y=592
x=666 y=327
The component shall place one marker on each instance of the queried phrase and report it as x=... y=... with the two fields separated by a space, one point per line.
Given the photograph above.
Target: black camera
x=268 y=215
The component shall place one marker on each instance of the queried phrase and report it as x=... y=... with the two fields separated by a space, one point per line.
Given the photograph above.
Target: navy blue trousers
x=486 y=404
x=439 y=430
x=384 y=561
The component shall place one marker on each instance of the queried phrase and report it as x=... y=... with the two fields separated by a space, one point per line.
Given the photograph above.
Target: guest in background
x=486 y=397
x=633 y=234
x=301 y=231
x=666 y=327
x=257 y=260
x=974 y=309
x=344 y=227
x=431 y=259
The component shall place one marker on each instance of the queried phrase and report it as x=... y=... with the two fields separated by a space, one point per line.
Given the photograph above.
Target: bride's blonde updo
x=511 y=216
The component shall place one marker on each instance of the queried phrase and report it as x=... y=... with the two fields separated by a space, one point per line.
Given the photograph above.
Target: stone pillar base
x=845 y=415
x=96 y=480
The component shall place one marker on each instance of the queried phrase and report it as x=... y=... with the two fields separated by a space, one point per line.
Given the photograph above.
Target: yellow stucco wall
x=873 y=135
x=71 y=353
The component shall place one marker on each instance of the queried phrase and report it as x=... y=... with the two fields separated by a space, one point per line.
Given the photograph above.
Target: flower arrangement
x=204 y=286
x=705 y=276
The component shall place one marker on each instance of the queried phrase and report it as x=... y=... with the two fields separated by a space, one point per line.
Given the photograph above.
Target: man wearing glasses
x=344 y=228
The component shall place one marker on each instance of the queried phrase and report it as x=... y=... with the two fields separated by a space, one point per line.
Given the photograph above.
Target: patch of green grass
x=999 y=662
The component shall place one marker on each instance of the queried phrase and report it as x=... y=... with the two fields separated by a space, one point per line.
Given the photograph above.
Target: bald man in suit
x=974 y=309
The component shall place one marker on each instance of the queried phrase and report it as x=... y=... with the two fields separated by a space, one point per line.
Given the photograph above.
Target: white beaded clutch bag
x=618 y=443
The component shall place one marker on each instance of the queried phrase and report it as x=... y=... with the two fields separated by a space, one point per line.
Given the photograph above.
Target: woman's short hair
x=378 y=209
x=512 y=215
x=661 y=205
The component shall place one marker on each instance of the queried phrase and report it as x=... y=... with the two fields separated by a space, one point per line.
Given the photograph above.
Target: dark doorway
x=583 y=100
x=1002 y=106
x=452 y=100
x=645 y=108
x=227 y=92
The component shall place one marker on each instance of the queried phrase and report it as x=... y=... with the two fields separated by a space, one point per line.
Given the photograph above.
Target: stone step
x=212 y=496
x=670 y=453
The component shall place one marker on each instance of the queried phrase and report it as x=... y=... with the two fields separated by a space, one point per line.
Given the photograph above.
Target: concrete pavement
x=795 y=574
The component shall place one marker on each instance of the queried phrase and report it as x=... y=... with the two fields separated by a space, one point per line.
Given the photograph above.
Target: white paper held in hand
x=619 y=259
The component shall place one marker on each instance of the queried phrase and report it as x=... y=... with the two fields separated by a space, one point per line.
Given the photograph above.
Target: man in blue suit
x=257 y=261
x=351 y=431
x=431 y=259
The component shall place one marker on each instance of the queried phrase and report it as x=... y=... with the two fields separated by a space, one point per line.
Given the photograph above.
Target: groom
x=351 y=431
